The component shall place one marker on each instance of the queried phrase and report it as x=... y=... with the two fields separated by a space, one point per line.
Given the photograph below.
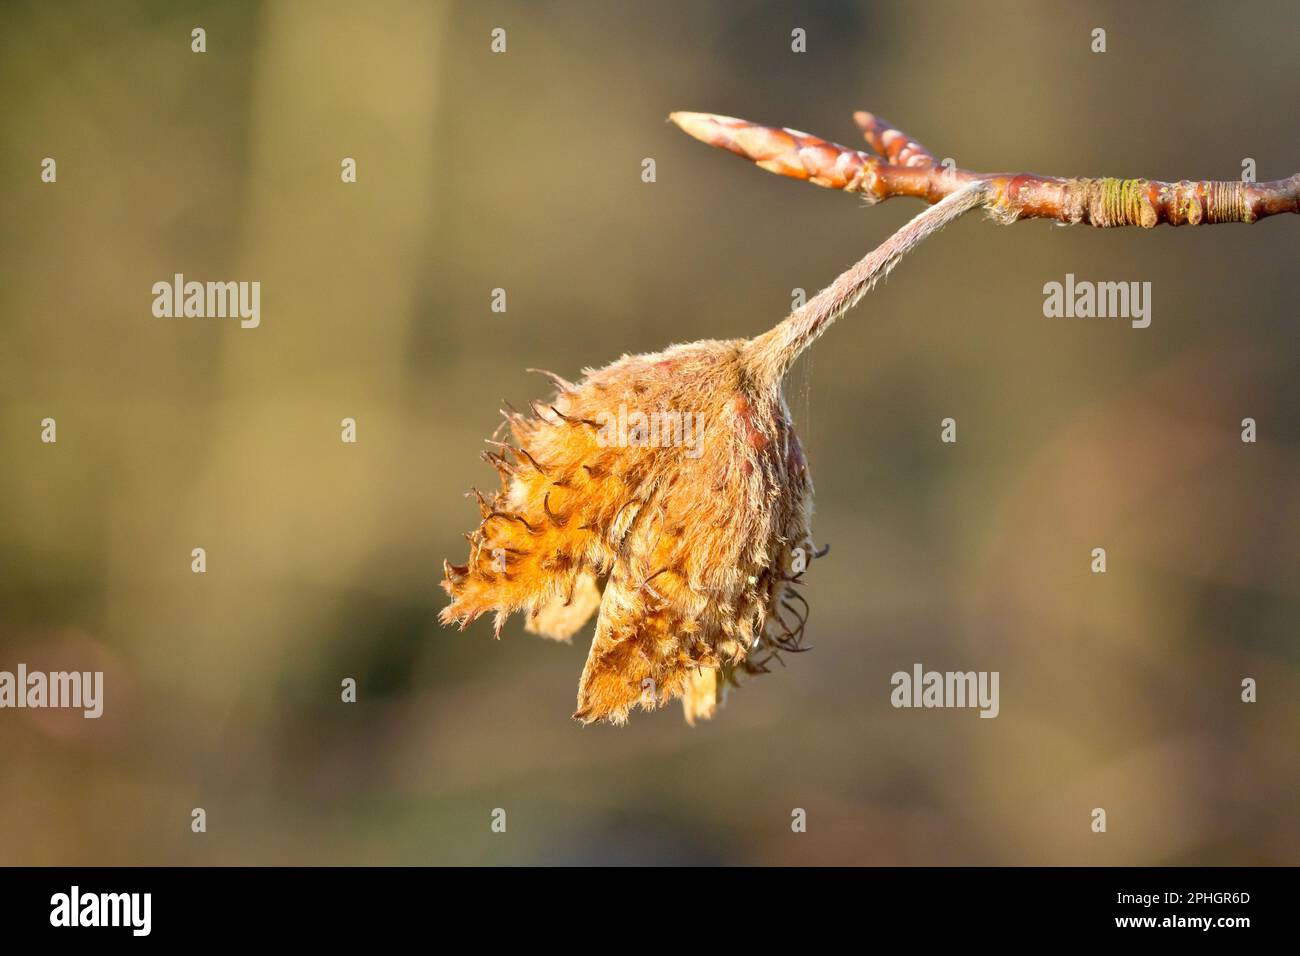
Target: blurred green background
x=522 y=171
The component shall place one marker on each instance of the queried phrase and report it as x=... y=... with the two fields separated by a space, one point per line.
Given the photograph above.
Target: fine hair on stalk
x=771 y=354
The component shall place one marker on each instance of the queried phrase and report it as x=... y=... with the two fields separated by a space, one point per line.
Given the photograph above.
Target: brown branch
x=899 y=166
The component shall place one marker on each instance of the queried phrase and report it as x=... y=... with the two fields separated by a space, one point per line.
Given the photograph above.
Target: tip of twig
x=786 y=152
x=709 y=128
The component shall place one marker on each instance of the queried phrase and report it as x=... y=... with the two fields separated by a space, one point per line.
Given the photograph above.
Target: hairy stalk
x=770 y=355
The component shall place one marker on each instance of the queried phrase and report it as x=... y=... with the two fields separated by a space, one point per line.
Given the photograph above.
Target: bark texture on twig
x=899 y=166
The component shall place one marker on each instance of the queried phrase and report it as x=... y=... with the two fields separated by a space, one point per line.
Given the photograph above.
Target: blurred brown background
x=522 y=171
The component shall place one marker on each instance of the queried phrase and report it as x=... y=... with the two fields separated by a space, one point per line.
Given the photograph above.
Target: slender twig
x=899 y=166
